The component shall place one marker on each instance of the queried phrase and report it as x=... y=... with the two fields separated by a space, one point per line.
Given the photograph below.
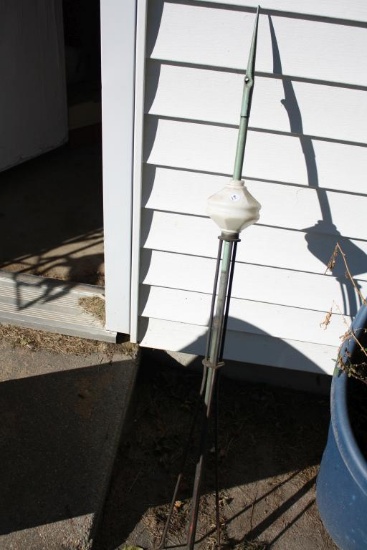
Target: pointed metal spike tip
x=246 y=104
x=252 y=56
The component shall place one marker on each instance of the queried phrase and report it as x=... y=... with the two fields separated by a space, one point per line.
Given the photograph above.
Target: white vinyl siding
x=306 y=163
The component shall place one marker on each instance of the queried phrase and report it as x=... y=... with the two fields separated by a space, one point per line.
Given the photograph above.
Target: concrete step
x=50 y=304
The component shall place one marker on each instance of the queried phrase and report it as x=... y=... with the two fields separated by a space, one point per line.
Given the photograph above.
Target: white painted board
x=292 y=323
x=269 y=156
x=258 y=283
x=118 y=74
x=204 y=34
x=356 y=10
x=260 y=244
x=287 y=206
x=196 y=94
x=33 y=109
x=240 y=346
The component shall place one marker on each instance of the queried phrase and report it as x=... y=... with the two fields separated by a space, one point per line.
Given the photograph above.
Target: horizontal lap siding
x=309 y=49
x=214 y=96
x=258 y=283
x=192 y=308
x=273 y=157
x=199 y=240
x=240 y=346
x=293 y=207
x=306 y=160
x=353 y=11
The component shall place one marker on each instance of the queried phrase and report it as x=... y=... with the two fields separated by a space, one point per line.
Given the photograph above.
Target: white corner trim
x=141 y=24
x=118 y=21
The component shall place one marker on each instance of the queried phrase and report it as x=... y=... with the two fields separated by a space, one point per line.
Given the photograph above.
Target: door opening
x=51 y=206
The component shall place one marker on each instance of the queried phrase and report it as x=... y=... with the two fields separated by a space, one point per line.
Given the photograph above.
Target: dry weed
x=36 y=340
x=95 y=305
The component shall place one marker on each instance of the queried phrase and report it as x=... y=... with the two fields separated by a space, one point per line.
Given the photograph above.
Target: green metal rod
x=246 y=104
x=221 y=297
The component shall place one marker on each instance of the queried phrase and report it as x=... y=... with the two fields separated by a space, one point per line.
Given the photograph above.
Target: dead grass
x=36 y=340
x=154 y=520
x=95 y=305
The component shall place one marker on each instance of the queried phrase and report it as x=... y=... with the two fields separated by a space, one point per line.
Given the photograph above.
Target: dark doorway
x=51 y=206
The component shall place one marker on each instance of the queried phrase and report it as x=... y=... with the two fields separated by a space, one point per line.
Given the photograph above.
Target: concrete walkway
x=61 y=417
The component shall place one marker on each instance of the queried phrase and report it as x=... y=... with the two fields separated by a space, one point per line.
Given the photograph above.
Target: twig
x=325 y=323
x=358 y=369
x=331 y=264
x=350 y=332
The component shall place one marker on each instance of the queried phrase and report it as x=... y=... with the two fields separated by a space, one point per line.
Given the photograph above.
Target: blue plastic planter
x=342 y=480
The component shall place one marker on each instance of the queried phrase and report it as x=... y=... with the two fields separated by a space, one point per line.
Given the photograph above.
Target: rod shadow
x=320 y=248
x=264 y=432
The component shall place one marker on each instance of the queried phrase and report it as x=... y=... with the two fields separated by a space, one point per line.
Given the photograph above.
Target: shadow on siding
x=357 y=260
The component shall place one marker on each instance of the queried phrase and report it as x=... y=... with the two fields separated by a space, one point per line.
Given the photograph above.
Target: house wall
x=306 y=162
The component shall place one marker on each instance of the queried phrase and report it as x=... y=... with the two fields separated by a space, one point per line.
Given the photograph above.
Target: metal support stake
x=212 y=362
x=233 y=208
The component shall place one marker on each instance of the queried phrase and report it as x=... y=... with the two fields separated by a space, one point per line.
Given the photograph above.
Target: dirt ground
x=270 y=445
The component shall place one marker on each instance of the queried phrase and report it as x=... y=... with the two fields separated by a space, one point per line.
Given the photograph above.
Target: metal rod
x=218 y=316
x=184 y=459
x=218 y=320
x=229 y=293
x=215 y=345
x=214 y=295
x=246 y=104
x=216 y=455
x=200 y=464
x=198 y=404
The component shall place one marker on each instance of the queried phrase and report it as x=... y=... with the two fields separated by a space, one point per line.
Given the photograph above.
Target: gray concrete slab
x=61 y=417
